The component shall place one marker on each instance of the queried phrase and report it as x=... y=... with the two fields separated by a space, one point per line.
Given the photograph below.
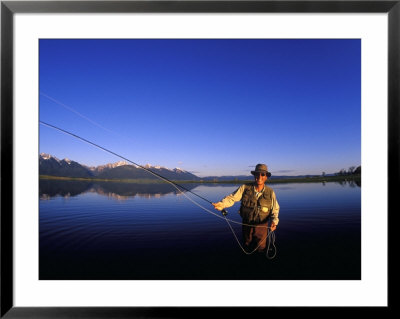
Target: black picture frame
x=9 y=8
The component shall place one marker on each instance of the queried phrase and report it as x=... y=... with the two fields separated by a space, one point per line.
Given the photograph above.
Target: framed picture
x=206 y=91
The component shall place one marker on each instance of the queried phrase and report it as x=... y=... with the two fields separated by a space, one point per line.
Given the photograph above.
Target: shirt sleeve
x=236 y=196
x=275 y=209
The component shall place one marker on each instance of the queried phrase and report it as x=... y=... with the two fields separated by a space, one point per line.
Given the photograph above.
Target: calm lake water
x=124 y=231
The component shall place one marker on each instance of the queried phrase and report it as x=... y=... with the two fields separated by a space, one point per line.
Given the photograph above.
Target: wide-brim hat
x=260 y=168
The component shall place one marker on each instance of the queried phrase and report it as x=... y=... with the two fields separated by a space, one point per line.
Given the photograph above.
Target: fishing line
x=176 y=185
x=69 y=108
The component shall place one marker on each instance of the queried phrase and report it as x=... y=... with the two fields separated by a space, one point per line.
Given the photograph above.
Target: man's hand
x=218 y=206
x=273 y=226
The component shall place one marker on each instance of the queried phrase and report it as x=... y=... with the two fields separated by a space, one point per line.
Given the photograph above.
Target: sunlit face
x=260 y=178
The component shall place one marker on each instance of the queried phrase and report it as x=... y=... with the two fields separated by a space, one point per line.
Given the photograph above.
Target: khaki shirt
x=236 y=196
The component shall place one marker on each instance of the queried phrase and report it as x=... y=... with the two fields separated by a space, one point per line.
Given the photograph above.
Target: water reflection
x=69 y=188
x=350 y=182
x=116 y=190
x=50 y=188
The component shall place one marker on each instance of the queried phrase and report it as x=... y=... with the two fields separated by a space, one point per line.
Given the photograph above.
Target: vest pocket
x=263 y=213
x=246 y=213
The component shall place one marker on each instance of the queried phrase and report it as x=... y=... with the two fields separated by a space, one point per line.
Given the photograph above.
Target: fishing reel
x=224 y=212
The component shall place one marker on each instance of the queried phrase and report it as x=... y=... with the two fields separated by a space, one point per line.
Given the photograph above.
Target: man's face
x=260 y=178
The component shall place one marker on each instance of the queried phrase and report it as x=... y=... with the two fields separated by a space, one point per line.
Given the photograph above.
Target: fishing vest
x=253 y=210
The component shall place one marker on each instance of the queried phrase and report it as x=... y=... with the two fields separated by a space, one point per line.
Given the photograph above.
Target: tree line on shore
x=352 y=170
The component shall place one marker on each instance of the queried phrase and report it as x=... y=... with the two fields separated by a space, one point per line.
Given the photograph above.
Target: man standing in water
x=258 y=207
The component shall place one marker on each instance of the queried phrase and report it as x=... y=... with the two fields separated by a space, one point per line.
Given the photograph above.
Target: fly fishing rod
x=223 y=211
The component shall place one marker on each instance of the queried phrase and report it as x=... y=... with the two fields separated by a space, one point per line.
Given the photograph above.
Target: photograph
x=199 y=159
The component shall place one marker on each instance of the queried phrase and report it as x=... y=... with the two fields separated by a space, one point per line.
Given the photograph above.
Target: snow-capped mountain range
x=52 y=166
x=107 y=166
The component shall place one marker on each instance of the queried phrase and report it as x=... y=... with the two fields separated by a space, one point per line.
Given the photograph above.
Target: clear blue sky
x=212 y=107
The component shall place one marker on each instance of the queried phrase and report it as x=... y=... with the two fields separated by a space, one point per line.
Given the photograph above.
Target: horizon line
x=161 y=166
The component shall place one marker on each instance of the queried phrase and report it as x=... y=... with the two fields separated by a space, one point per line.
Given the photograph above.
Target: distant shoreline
x=311 y=179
